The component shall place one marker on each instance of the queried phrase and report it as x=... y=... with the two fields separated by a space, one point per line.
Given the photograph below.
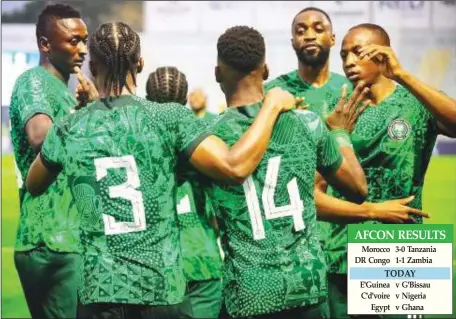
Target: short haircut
x=167 y=84
x=312 y=9
x=377 y=30
x=52 y=13
x=241 y=48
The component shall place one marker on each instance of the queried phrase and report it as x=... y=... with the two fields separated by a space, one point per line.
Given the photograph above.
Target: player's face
x=312 y=38
x=197 y=100
x=67 y=44
x=356 y=69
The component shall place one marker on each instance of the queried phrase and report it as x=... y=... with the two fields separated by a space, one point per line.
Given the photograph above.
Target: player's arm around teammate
x=212 y=156
x=233 y=165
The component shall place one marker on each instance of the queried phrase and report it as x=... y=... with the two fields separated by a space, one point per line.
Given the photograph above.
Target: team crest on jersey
x=399 y=129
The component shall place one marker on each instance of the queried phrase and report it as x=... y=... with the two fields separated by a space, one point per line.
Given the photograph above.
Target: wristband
x=342 y=137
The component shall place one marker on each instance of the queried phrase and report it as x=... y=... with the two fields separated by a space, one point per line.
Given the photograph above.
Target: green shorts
x=337 y=300
x=203 y=299
x=49 y=280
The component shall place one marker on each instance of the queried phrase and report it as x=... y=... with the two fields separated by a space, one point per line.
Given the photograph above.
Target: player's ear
x=333 y=39
x=44 y=44
x=218 y=75
x=265 y=72
x=140 y=65
x=93 y=68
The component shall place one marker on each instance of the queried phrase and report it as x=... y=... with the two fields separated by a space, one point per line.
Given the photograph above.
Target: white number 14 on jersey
x=295 y=209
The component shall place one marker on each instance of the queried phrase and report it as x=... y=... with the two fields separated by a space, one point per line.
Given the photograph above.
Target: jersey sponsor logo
x=399 y=130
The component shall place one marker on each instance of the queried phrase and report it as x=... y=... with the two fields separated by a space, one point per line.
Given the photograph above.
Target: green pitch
x=439 y=201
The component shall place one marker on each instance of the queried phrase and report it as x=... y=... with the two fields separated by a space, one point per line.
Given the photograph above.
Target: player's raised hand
x=283 y=100
x=384 y=57
x=395 y=211
x=346 y=112
x=85 y=90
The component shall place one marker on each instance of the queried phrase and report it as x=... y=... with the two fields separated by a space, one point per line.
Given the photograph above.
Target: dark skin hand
x=349 y=179
x=85 y=91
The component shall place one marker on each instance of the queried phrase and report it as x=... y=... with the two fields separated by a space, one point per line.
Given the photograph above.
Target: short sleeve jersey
x=273 y=259
x=393 y=141
x=49 y=218
x=120 y=157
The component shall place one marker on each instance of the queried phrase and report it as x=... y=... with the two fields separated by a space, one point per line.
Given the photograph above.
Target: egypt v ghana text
x=400 y=269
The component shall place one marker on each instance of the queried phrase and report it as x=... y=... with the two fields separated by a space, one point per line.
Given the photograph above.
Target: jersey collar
x=250 y=110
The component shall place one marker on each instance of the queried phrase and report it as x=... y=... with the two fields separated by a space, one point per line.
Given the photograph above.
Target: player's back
x=120 y=159
x=269 y=231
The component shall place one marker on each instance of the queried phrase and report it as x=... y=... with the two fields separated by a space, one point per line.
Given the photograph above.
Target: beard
x=313 y=60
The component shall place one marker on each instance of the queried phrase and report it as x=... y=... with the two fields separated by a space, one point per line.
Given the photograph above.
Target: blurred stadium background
x=184 y=34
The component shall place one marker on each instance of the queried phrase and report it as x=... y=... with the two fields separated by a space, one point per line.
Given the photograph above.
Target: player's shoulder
x=308 y=116
x=36 y=72
x=30 y=78
x=281 y=80
x=226 y=122
x=311 y=120
x=404 y=99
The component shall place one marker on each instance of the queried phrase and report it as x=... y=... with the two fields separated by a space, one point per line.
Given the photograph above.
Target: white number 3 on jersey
x=295 y=209
x=126 y=191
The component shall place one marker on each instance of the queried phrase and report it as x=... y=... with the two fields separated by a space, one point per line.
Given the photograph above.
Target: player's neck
x=103 y=93
x=244 y=94
x=381 y=90
x=315 y=75
x=200 y=113
x=46 y=64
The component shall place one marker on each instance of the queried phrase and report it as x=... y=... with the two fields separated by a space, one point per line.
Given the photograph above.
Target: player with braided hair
x=47 y=244
x=120 y=155
x=167 y=84
x=118 y=46
x=200 y=252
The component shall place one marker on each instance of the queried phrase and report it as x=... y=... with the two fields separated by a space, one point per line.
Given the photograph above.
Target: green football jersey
x=200 y=250
x=318 y=98
x=209 y=117
x=50 y=218
x=394 y=142
x=120 y=158
x=273 y=259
